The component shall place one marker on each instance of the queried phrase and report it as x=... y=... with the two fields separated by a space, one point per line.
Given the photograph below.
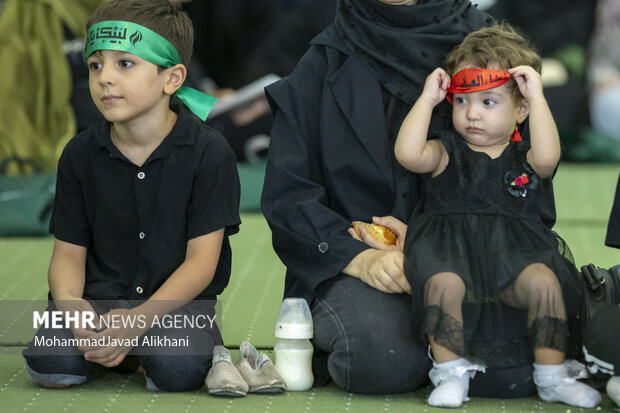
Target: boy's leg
x=54 y=366
x=180 y=367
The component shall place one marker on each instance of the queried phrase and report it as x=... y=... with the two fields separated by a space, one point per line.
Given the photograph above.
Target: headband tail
x=199 y=103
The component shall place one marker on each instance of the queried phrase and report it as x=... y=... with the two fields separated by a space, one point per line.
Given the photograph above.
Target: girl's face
x=487 y=118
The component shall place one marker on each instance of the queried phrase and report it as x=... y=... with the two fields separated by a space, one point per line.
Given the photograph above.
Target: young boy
x=144 y=206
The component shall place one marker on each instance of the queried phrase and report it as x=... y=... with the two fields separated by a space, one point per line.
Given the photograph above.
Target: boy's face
x=487 y=117
x=124 y=86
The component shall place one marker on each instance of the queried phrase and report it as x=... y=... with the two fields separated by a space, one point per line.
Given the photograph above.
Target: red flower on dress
x=521 y=180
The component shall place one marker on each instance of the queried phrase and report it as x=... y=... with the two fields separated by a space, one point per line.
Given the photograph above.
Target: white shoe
x=451 y=380
x=613 y=389
x=258 y=370
x=223 y=378
x=450 y=393
x=558 y=383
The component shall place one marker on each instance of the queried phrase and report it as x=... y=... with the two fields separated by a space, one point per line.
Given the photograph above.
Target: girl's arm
x=545 y=150
x=412 y=149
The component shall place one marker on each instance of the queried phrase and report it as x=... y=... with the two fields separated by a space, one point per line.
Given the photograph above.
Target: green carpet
x=584 y=194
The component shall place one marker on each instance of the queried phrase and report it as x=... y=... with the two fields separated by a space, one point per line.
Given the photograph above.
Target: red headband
x=477 y=79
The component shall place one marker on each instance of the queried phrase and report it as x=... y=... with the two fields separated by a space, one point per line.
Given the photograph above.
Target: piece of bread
x=379 y=232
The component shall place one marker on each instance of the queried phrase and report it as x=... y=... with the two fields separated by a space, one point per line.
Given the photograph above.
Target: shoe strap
x=262 y=359
x=218 y=358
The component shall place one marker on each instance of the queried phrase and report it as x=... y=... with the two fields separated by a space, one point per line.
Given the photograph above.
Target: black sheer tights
x=536 y=290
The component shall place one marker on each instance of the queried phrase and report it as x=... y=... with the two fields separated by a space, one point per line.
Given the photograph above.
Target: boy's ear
x=175 y=77
x=523 y=110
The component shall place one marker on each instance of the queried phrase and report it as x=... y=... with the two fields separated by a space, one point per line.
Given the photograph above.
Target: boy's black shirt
x=135 y=221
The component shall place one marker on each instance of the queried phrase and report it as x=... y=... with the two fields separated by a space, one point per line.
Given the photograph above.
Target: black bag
x=601 y=298
x=602 y=289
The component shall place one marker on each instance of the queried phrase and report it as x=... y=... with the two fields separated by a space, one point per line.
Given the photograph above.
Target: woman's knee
x=378 y=361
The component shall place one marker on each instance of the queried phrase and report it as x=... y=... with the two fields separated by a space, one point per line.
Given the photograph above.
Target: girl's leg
x=537 y=289
x=443 y=319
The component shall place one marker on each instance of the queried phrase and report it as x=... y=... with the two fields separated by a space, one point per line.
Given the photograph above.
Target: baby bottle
x=293 y=349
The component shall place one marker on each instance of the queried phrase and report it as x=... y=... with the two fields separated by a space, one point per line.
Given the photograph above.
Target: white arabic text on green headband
x=150 y=46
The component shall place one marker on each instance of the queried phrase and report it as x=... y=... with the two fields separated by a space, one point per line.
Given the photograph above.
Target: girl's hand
x=436 y=86
x=528 y=80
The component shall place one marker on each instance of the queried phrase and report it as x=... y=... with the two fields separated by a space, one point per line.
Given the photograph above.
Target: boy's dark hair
x=498 y=47
x=161 y=16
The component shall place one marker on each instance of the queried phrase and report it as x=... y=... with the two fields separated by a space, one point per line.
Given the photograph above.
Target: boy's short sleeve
x=69 y=221
x=214 y=203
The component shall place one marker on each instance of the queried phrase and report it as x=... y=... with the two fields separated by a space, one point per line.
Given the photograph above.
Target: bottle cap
x=294 y=320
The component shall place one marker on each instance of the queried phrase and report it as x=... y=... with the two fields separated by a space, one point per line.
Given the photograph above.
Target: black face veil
x=402 y=45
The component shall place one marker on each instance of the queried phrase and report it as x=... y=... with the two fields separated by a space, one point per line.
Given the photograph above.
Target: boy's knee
x=54 y=371
x=176 y=373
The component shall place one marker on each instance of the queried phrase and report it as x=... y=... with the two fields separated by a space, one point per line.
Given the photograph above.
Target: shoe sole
x=267 y=390
x=227 y=392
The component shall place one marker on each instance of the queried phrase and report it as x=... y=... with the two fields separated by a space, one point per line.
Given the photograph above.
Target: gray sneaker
x=258 y=370
x=223 y=378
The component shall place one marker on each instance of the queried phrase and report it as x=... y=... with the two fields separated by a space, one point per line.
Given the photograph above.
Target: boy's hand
x=79 y=305
x=114 y=354
x=529 y=82
x=436 y=87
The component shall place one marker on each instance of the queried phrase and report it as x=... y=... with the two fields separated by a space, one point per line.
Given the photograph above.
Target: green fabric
x=133 y=38
x=36 y=117
x=143 y=42
x=26 y=204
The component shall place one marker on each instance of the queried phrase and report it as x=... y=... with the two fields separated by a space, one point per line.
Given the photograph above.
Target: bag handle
x=593 y=281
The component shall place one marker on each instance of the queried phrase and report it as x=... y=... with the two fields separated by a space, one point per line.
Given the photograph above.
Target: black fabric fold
x=401 y=45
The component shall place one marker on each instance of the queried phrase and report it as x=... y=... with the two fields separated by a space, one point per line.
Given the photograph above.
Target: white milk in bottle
x=293 y=350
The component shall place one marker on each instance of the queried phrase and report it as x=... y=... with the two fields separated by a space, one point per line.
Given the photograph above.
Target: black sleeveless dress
x=480 y=220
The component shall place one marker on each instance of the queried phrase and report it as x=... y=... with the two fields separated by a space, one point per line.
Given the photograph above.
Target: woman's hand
x=381 y=266
x=394 y=224
x=381 y=269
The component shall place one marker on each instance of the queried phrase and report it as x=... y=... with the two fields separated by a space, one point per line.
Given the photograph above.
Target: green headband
x=148 y=45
